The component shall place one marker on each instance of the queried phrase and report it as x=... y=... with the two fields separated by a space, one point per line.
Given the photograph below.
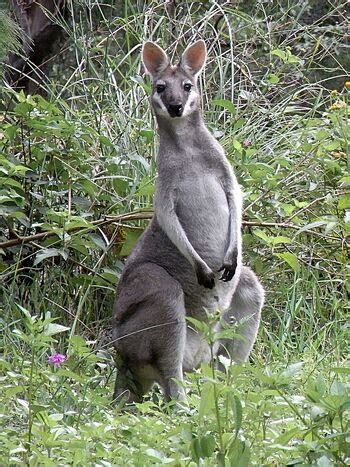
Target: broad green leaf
x=345 y=180
x=78 y=222
x=237 y=145
x=236 y=408
x=54 y=328
x=130 y=241
x=196 y=450
x=273 y=79
x=98 y=241
x=25 y=404
x=291 y=370
x=341 y=369
x=288 y=435
x=105 y=141
x=207 y=445
x=338 y=388
x=25 y=311
x=344 y=202
x=207 y=403
x=279 y=53
x=261 y=234
x=13 y=390
x=280 y=239
x=154 y=454
x=290 y=259
x=49 y=253
x=226 y=104
x=120 y=184
x=110 y=275
x=148 y=134
x=310 y=226
x=324 y=461
x=239 y=453
x=146 y=187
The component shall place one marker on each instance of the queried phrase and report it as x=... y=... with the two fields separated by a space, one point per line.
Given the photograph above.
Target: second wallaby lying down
x=173 y=271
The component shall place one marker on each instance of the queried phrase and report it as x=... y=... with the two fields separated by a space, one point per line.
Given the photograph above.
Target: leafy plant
x=77 y=177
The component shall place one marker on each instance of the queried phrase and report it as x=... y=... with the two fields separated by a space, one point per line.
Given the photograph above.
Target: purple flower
x=57 y=359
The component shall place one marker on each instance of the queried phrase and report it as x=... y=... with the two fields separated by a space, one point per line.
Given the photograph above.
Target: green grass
x=87 y=153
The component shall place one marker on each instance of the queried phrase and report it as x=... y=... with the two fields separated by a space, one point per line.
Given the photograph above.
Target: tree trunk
x=40 y=39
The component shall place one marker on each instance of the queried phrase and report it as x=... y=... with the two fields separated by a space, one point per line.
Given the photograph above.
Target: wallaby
x=188 y=262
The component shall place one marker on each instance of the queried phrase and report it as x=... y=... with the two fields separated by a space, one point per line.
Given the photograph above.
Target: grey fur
x=173 y=271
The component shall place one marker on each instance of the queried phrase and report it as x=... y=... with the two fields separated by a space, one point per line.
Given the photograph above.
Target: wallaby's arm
x=234 y=200
x=165 y=209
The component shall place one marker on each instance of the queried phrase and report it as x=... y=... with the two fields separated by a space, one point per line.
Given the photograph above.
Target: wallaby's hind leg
x=245 y=310
x=149 y=333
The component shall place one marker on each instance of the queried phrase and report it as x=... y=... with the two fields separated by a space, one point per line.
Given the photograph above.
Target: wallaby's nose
x=175 y=110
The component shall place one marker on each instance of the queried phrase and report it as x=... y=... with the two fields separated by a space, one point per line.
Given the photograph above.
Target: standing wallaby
x=173 y=272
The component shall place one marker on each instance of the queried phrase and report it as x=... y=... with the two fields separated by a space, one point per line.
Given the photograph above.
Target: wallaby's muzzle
x=175 y=110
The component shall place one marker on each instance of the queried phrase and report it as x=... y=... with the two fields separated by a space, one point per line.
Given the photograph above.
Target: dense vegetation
x=77 y=174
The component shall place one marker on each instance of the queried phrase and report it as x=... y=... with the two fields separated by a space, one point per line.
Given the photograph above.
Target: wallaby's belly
x=203 y=211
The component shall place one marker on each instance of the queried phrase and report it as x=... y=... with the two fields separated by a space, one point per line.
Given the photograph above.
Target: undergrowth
x=77 y=175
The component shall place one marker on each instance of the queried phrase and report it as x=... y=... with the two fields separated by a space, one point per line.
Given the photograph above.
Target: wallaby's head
x=175 y=92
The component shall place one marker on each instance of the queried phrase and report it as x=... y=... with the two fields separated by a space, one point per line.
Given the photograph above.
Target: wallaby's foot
x=205 y=276
x=245 y=310
x=127 y=390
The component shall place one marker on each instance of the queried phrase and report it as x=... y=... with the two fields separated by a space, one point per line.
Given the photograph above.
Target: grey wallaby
x=173 y=271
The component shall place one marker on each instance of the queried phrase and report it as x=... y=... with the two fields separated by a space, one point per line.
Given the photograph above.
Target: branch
x=141 y=215
x=51 y=233
x=284 y=225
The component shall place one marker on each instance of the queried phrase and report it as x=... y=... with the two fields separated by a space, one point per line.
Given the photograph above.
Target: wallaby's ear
x=193 y=59
x=154 y=59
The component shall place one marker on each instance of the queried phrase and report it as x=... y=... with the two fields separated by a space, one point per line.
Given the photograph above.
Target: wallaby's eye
x=160 y=88
x=187 y=87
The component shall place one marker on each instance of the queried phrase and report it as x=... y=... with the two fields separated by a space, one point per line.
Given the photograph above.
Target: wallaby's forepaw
x=229 y=268
x=205 y=276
